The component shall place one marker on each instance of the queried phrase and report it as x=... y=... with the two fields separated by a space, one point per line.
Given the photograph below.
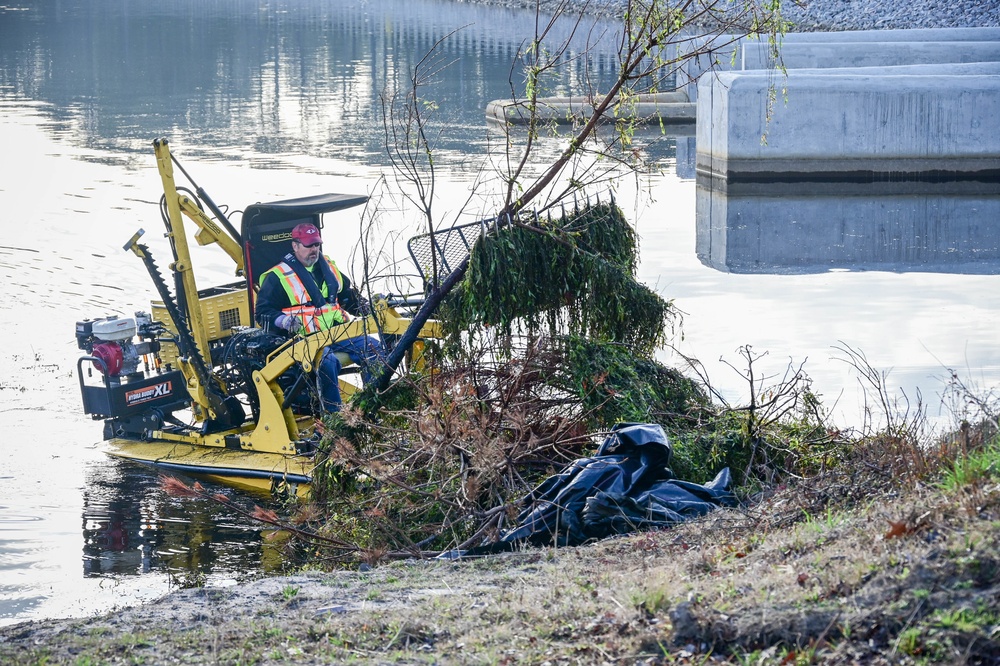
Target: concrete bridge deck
x=851 y=106
x=857 y=107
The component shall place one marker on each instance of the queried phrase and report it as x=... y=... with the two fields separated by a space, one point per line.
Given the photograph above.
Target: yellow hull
x=252 y=471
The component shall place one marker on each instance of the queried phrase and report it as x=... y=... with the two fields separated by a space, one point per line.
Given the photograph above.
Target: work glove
x=288 y=322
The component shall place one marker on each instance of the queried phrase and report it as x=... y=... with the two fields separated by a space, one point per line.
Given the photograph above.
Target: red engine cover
x=111 y=354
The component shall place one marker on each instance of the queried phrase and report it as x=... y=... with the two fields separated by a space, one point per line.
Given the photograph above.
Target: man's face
x=307 y=254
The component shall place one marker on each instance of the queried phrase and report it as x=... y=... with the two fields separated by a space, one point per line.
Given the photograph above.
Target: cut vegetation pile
x=877 y=547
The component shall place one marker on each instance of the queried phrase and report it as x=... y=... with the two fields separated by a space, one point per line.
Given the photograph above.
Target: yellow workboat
x=193 y=387
x=256 y=472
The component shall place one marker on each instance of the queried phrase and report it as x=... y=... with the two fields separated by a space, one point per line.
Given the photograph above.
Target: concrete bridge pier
x=855 y=110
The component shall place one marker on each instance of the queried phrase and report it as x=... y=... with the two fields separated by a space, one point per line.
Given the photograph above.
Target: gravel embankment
x=819 y=15
x=815 y=15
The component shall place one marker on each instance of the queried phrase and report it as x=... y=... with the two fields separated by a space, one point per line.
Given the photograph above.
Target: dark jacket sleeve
x=271 y=299
x=348 y=297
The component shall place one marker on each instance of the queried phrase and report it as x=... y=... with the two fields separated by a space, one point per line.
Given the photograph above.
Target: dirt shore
x=901 y=580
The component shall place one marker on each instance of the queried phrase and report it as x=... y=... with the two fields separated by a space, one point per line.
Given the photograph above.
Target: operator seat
x=266 y=233
x=267 y=230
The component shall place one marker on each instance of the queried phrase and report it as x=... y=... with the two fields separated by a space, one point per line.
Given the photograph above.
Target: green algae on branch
x=573 y=274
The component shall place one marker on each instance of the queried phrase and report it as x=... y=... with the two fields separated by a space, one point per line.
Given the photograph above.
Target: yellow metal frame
x=259 y=473
x=277 y=429
x=215 y=303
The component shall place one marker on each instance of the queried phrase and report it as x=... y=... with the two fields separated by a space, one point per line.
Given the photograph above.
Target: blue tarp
x=627 y=486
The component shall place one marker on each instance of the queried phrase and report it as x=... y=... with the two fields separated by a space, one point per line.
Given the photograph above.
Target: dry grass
x=885 y=552
x=834 y=570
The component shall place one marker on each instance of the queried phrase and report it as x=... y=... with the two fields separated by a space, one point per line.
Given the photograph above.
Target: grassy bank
x=862 y=563
x=817 y=572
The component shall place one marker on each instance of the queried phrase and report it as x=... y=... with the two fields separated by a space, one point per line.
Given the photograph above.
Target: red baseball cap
x=306 y=233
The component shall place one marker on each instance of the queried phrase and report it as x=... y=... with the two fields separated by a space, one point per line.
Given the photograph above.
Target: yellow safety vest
x=313 y=319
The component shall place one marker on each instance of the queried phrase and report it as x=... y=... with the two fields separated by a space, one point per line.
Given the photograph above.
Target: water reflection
x=289 y=76
x=131 y=528
x=137 y=543
x=812 y=228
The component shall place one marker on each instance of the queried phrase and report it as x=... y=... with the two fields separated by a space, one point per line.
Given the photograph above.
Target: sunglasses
x=310 y=246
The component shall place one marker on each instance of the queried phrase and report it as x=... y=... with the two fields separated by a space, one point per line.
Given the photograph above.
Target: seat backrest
x=267 y=230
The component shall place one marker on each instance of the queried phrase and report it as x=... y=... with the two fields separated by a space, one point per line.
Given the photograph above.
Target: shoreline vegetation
x=875 y=547
x=887 y=560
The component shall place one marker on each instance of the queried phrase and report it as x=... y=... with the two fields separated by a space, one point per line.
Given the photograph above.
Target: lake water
x=272 y=100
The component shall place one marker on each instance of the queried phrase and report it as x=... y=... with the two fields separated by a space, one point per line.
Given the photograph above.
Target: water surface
x=279 y=99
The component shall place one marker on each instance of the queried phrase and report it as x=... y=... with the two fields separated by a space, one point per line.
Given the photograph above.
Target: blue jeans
x=365 y=350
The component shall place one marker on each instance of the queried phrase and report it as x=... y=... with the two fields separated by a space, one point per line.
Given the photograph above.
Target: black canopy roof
x=297 y=209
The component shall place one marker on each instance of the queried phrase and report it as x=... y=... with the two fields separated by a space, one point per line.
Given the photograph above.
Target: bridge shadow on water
x=813 y=227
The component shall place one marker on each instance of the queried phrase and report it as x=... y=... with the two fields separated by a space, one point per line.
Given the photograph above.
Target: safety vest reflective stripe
x=313 y=319
x=294 y=287
x=336 y=274
x=318 y=319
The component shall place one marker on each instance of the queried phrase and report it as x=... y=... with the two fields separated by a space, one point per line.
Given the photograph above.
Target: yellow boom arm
x=269 y=435
x=277 y=429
